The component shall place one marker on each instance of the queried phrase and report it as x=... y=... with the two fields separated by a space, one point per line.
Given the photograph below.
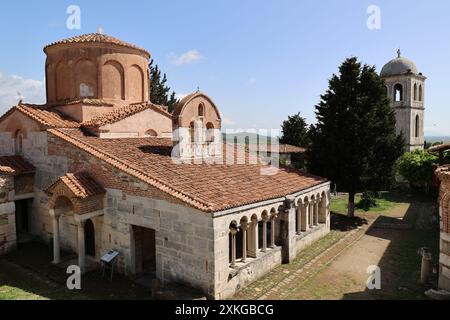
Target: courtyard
x=335 y=267
x=332 y=268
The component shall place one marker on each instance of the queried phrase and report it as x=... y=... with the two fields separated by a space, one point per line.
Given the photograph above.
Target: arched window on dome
x=415 y=91
x=18 y=142
x=420 y=93
x=417 y=126
x=398 y=92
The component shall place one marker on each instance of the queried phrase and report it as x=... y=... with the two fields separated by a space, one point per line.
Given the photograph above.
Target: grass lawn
x=19 y=284
x=386 y=202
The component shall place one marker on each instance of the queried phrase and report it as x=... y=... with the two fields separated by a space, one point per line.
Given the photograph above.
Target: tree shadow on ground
x=400 y=264
x=341 y=222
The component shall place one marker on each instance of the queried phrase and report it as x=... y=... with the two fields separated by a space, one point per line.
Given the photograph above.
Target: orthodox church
x=99 y=167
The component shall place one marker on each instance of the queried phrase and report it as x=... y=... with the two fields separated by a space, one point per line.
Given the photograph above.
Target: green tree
x=354 y=142
x=159 y=91
x=295 y=131
x=417 y=168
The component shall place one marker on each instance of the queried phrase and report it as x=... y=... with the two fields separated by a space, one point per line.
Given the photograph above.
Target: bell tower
x=405 y=87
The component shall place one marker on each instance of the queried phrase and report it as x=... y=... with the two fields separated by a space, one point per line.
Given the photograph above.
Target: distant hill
x=242 y=135
x=434 y=139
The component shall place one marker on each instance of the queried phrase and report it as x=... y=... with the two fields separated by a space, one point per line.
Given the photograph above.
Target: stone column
x=81 y=246
x=311 y=214
x=288 y=250
x=272 y=230
x=305 y=216
x=316 y=212
x=299 y=218
x=252 y=238
x=56 y=248
x=244 y=228
x=264 y=235
x=233 y=232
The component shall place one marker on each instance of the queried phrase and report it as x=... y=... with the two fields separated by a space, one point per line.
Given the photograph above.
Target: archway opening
x=89 y=238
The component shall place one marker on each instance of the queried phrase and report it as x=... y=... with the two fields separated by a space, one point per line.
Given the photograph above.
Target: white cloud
x=14 y=88
x=189 y=57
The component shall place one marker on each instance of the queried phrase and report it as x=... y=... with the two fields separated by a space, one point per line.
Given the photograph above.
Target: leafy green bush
x=368 y=200
x=417 y=168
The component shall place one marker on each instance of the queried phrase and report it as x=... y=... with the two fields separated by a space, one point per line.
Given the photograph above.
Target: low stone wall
x=250 y=272
x=314 y=234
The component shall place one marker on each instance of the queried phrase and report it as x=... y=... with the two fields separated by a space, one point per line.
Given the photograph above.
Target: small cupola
x=196 y=128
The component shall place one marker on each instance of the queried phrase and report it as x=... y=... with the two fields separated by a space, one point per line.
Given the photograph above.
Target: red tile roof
x=124 y=112
x=440 y=147
x=96 y=38
x=207 y=187
x=81 y=184
x=15 y=165
x=44 y=115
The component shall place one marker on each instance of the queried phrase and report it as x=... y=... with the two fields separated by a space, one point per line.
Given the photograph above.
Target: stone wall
x=183 y=238
x=7 y=214
x=444 y=213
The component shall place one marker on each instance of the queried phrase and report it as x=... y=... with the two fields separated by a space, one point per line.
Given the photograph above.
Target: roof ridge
x=73 y=180
x=62 y=120
x=137 y=173
x=122 y=113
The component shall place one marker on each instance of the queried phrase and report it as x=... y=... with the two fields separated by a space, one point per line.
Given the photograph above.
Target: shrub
x=368 y=200
x=417 y=168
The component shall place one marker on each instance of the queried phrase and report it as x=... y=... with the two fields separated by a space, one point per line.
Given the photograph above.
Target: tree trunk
x=351 y=204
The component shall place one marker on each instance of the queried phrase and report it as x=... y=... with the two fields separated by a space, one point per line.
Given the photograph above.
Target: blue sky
x=259 y=60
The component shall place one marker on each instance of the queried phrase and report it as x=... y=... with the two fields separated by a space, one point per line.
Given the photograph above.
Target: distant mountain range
x=434 y=139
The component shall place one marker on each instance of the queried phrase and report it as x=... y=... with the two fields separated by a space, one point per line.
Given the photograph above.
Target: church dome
x=398 y=66
x=96 y=38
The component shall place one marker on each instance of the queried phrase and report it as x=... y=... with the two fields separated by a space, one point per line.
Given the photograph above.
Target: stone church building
x=405 y=86
x=100 y=168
